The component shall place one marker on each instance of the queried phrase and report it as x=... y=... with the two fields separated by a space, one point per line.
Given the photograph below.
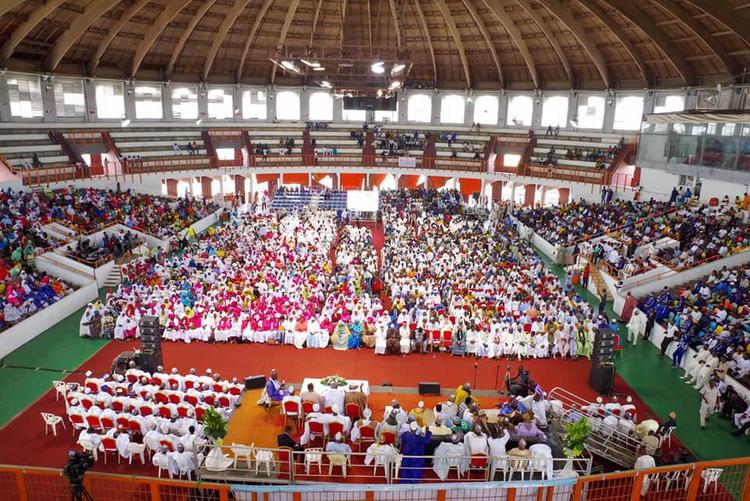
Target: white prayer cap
x=629 y=399
x=599 y=400
x=160 y=369
x=192 y=370
x=164 y=428
x=420 y=405
x=413 y=426
x=208 y=371
x=291 y=389
x=338 y=437
x=74 y=401
x=87 y=391
x=88 y=374
x=174 y=370
x=367 y=412
x=119 y=378
x=316 y=407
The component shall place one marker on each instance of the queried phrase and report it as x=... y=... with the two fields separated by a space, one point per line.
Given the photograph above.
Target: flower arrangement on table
x=331 y=380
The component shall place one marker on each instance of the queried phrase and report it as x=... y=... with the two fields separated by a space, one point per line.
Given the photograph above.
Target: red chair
x=218 y=388
x=291 y=410
x=617 y=346
x=327 y=409
x=107 y=423
x=167 y=444
x=135 y=426
x=189 y=384
x=78 y=422
x=616 y=411
x=333 y=429
x=122 y=421
x=235 y=391
x=131 y=378
x=307 y=407
x=174 y=398
x=209 y=400
x=316 y=429
x=87 y=403
x=165 y=412
x=173 y=383
x=109 y=445
x=388 y=437
x=94 y=422
x=93 y=387
x=447 y=339
x=117 y=406
x=182 y=411
x=143 y=394
x=161 y=398
x=478 y=461
x=352 y=410
x=146 y=410
x=366 y=435
x=199 y=412
x=191 y=399
x=225 y=402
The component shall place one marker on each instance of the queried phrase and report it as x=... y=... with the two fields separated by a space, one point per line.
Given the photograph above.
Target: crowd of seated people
x=470 y=287
x=112 y=245
x=395 y=142
x=582 y=220
x=159 y=414
x=24 y=292
x=432 y=202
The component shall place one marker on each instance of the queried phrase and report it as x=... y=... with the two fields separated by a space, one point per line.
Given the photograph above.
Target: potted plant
x=574 y=439
x=215 y=429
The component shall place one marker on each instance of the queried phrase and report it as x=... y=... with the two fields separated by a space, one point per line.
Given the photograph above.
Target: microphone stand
x=476 y=368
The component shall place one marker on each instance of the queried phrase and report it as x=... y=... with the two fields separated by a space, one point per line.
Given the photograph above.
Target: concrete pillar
x=497 y=191
x=564 y=195
x=206 y=187
x=528 y=199
x=172 y=187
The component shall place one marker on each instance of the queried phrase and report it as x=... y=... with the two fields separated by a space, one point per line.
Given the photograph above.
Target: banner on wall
x=407 y=162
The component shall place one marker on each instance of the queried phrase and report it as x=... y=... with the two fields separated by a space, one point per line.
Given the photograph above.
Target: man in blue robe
x=413 y=444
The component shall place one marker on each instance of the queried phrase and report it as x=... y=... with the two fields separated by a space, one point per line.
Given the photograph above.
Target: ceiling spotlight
x=311 y=64
x=378 y=67
x=380 y=93
x=394 y=85
x=289 y=65
x=349 y=94
x=319 y=68
x=398 y=68
x=326 y=84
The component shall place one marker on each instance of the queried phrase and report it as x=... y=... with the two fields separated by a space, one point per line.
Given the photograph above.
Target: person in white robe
x=472 y=341
x=380 y=339
x=163 y=459
x=85 y=325
x=405 y=341
x=120 y=323
x=475 y=442
x=381 y=454
x=449 y=455
x=498 y=453
x=184 y=461
x=122 y=439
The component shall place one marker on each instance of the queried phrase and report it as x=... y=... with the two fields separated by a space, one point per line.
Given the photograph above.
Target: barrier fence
x=724 y=480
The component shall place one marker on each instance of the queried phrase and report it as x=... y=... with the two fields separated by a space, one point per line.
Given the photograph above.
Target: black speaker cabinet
x=150 y=361
x=429 y=388
x=255 y=382
x=602 y=377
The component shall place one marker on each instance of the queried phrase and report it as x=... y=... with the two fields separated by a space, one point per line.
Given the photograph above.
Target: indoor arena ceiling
x=459 y=44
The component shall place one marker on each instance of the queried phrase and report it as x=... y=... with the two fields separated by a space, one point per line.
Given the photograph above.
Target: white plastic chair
x=136 y=449
x=89 y=447
x=499 y=463
x=667 y=436
x=313 y=456
x=339 y=460
x=263 y=457
x=454 y=461
x=242 y=451
x=61 y=389
x=51 y=421
x=711 y=476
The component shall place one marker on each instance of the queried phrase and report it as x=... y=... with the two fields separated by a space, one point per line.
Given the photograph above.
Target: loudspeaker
x=429 y=388
x=255 y=382
x=150 y=361
x=602 y=377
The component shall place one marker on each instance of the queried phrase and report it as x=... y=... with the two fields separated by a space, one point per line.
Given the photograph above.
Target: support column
x=497 y=191
x=528 y=199
x=564 y=195
x=172 y=187
x=206 y=187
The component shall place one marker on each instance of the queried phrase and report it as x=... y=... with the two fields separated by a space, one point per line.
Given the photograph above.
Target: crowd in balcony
x=111 y=245
x=395 y=142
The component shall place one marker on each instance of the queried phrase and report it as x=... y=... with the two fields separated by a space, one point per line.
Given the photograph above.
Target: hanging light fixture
x=397 y=68
x=378 y=67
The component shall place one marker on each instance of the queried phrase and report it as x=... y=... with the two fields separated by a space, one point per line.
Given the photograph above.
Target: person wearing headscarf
x=413 y=448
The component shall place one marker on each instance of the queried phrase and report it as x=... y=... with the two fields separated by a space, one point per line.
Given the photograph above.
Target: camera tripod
x=79 y=493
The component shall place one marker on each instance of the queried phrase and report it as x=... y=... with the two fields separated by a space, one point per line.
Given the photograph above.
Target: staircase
x=611 y=445
x=114 y=278
x=594 y=274
x=430 y=151
x=213 y=158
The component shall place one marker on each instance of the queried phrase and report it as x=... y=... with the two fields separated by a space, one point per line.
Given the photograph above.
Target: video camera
x=78 y=463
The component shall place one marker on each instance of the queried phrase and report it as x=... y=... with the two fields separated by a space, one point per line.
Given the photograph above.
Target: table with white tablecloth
x=362 y=385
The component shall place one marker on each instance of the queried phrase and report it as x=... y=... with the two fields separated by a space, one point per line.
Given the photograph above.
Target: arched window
x=555 y=111
x=321 y=106
x=452 y=109
x=419 y=108
x=287 y=105
x=628 y=112
x=520 y=109
x=591 y=112
x=486 y=110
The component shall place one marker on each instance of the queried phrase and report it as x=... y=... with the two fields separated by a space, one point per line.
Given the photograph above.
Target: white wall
x=28 y=329
x=65 y=269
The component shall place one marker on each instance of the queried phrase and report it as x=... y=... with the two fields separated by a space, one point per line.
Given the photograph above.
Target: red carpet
x=24 y=442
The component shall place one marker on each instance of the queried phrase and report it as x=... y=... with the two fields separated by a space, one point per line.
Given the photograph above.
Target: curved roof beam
x=36 y=16
x=170 y=11
x=396 y=23
x=9 y=5
x=253 y=30
x=343 y=23
x=218 y=40
x=187 y=34
x=565 y=16
x=536 y=15
x=77 y=28
x=660 y=38
x=315 y=22
x=734 y=20
x=446 y=12
x=112 y=33
x=488 y=40
x=595 y=9
x=701 y=32
x=284 y=30
x=423 y=22
x=498 y=9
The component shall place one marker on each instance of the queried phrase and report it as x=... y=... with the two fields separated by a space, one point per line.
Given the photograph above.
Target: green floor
x=29 y=371
x=61 y=349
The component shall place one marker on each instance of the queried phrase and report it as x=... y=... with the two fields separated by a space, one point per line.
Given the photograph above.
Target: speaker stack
x=602 y=374
x=151 y=333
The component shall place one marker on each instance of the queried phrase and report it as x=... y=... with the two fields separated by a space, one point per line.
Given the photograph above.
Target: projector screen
x=362 y=201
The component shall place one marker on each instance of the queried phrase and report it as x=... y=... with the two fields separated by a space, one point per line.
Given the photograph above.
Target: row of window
x=26 y=102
